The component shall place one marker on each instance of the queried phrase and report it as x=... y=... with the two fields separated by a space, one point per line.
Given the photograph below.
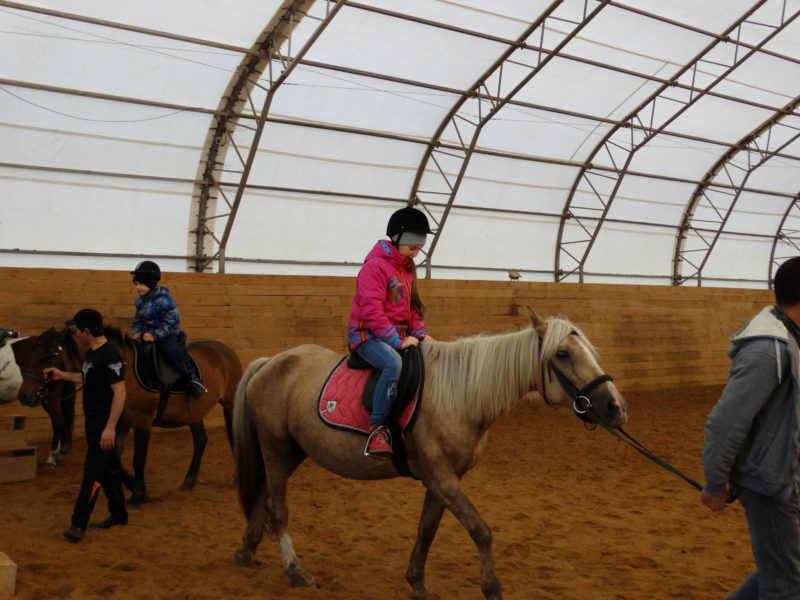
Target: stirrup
x=379 y=430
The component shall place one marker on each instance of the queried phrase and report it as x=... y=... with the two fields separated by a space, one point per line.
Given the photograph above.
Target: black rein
x=584 y=410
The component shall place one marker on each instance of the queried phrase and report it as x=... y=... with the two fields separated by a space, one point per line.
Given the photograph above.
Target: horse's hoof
x=420 y=594
x=188 y=484
x=243 y=557
x=299 y=577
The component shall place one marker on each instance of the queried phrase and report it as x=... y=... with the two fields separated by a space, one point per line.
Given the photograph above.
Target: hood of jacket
x=385 y=250
x=764 y=325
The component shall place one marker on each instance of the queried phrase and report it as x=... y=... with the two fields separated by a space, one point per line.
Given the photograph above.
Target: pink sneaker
x=379 y=443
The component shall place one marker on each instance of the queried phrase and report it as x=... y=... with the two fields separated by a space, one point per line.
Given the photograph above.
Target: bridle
x=581 y=404
x=41 y=394
x=583 y=409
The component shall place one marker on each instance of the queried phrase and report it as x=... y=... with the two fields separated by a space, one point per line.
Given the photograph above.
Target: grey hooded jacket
x=751 y=434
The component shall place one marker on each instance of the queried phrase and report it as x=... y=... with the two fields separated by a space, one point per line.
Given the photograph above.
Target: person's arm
x=753 y=379
x=417 y=327
x=109 y=435
x=59 y=375
x=371 y=294
x=137 y=326
x=168 y=318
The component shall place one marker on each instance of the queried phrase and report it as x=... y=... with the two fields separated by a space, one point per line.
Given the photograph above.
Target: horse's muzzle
x=31 y=399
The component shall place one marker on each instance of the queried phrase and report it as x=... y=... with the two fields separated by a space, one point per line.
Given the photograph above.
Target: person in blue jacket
x=751 y=441
x=157 y=320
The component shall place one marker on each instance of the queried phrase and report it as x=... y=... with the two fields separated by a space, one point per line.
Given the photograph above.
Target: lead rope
x=642 y=449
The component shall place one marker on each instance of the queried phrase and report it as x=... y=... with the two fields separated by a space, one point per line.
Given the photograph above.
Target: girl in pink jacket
x=387 y=314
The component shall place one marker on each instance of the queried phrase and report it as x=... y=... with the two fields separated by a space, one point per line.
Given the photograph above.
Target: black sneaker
x=196 y=388
x=107 y=523
x=74 y=534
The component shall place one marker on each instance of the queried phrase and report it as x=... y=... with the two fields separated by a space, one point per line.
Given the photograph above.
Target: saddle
x=345 y=401
x=155 y=374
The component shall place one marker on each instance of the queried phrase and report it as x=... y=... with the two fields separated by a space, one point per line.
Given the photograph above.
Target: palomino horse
x=221 y=371
x=469 y=383
x=57 y=399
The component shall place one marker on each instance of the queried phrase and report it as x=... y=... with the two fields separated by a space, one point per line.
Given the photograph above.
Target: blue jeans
x=176 y=355
x=387 y=360
x=775 y=538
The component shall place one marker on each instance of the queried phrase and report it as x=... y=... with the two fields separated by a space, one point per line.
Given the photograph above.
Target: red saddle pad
x=340 y=404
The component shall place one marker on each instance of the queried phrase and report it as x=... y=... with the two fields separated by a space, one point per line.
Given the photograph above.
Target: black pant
x=101 y=469
x=176 y=355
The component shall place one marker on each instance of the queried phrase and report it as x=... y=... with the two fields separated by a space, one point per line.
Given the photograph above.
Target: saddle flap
x=152 y=370
x=345 y=401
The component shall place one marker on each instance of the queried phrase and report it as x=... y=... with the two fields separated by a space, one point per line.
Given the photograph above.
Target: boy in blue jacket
x=157 y=320
x=751 y=441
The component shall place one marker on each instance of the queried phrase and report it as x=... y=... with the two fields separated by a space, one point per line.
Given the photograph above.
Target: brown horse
x=56 y=397
x=469 y=383
x=221 y=371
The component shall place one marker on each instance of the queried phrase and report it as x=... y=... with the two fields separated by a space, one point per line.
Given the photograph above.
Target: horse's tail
x=250 y=474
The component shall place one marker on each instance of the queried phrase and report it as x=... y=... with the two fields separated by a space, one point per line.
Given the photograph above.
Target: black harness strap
x=162 y=406
x=583 y=409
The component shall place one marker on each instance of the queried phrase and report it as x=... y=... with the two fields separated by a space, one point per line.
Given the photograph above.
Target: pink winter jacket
x=382 y=304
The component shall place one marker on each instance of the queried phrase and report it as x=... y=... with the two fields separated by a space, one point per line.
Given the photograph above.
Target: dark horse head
x=52 y=349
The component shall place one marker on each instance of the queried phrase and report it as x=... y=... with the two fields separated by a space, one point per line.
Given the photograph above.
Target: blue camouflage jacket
x=156 y=313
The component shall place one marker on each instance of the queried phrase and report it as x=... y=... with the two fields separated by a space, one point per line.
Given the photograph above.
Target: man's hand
x=107 y=438
x=53 y=373
x=714 y=502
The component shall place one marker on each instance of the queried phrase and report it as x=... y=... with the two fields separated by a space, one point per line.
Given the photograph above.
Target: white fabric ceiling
x=650 y=142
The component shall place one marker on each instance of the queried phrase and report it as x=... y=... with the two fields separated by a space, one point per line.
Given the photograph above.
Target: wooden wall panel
x=649 y=337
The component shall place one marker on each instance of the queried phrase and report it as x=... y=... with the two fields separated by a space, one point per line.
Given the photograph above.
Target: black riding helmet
x=147 y=273
x=407 y=220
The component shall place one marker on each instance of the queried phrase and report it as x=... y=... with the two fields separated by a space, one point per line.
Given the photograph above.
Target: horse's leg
x=432 y=510
x=58 y=426
x=278 y=512
x=226 y=411
x=122 y=437
x=449 y=490
x=199 y=439
x=141 y=440
x=68 y=410
x=271 y=504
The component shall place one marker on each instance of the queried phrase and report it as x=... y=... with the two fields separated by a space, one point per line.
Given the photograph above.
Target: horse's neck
x=482 y=378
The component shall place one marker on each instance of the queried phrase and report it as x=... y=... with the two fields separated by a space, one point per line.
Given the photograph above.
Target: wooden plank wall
x=649 y=337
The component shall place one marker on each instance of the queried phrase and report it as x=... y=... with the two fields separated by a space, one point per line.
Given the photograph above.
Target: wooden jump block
x=12 y=430
x=8 y=576
x=17 y=463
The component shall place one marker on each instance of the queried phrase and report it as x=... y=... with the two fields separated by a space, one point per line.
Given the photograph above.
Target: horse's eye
x=562 y=354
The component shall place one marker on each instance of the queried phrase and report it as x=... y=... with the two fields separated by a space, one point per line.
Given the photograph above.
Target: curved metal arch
x=621 y=144
x=227 y=118
x=722 y=201
x=790 y=237
x=461 y=120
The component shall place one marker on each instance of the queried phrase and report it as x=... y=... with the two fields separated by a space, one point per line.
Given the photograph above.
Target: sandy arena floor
x=576 y=515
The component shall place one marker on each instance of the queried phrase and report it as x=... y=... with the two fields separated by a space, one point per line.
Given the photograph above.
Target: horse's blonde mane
x=483 y=376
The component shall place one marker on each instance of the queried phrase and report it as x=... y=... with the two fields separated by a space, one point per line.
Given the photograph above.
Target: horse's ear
x=538 y=322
